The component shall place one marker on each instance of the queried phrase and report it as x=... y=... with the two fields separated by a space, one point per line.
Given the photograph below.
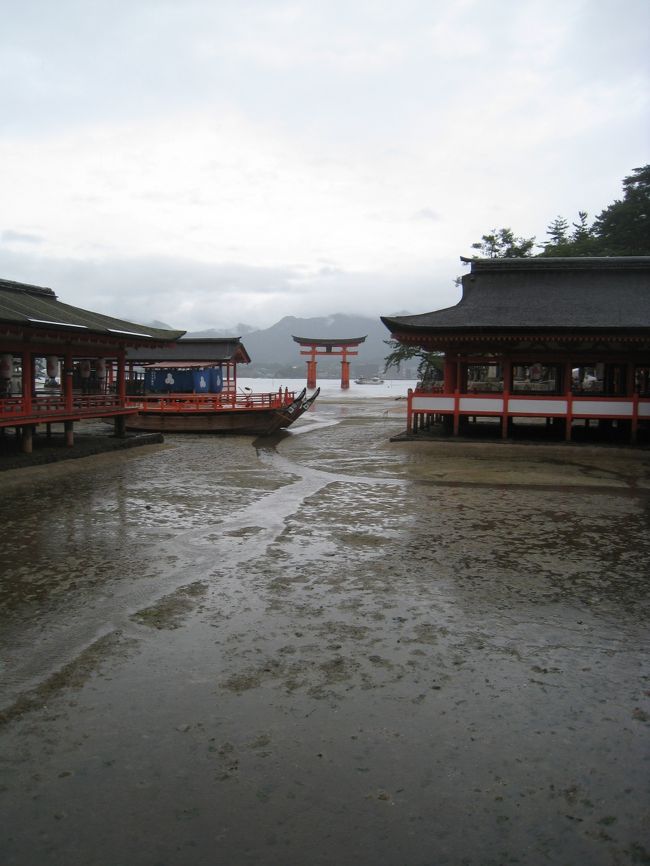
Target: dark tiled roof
x=38 y=307
x=328 y=341
x=211 y=350
x=542 y=294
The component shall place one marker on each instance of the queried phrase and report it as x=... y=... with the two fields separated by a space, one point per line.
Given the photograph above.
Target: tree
x=429 y=363
x=502 y=243
x=580 y=242
x=559 y=243
x=558 y=231
x=623 y=228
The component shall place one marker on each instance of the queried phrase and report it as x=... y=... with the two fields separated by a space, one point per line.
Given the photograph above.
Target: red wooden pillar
x=568 y=394
x=630 y=378
x=345 y=371
x=450 y=375
x=27 y=381
x=634 y=426
x=311 y=371
x=630 y=391
x=459 y=385
x=506 y=371
x=68 y=375
x=121 y=377
x=461 y=376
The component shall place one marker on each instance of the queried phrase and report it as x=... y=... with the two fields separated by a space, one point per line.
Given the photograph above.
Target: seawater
x=331 y=388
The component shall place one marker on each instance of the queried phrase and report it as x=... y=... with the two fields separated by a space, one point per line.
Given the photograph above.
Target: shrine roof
x=329 y=341
x=209 y=350
x=38 y=307
x=562 y=294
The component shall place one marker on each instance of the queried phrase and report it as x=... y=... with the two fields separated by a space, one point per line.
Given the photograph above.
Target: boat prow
x=286 y=416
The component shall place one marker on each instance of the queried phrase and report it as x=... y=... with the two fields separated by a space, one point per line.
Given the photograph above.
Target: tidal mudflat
x=327 y=649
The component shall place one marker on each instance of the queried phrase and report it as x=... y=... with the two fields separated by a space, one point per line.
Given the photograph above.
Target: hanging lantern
x=52 y=363
x=6 y=366
x=84 y=369
x=100 y=368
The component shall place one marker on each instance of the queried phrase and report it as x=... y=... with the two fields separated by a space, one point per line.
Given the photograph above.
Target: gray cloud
x=427 y=213
x=10 y=236
x=196 y=296
x=302 y=131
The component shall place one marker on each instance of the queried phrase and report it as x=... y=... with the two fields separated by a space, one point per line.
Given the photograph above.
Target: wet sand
x=327 y=648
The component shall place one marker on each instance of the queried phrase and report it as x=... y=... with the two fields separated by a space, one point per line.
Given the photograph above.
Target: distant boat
x=369 y=380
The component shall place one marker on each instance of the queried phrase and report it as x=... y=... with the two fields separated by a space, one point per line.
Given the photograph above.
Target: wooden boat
x=285 y=417
x=249 y=413
x=197 y=392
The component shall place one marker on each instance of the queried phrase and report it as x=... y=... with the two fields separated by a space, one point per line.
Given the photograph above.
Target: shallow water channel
x=326 y=648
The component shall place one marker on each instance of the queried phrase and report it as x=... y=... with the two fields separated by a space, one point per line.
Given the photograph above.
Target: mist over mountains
x=273 y=349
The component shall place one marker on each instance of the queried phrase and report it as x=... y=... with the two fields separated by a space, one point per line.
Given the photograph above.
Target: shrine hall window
x=608 y=380
x=536 y=379
x=484 y=378
x=642 y=381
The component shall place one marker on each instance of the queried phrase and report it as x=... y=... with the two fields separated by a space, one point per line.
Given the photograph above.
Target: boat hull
x=255 y=422
x=252 y=422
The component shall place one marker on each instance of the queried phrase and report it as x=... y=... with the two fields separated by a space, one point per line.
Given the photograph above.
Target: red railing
x=212 y=402
x=430 y=403
x=50 y=407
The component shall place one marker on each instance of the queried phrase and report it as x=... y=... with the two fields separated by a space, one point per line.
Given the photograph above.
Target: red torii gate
x=344 y=347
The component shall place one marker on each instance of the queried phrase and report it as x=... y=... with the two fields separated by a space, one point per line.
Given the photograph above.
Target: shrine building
x=61 y=364
x=563 y=342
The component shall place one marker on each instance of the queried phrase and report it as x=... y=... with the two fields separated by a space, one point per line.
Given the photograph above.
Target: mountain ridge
x=274 y=345
x=273 y=349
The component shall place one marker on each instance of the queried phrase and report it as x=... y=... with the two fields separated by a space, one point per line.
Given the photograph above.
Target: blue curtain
x=171 y=380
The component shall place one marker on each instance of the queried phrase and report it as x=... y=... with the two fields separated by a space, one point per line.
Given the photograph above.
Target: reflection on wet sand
x=328 y=648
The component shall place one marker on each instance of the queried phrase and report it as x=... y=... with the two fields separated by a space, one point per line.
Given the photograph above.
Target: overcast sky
x=209 y=162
